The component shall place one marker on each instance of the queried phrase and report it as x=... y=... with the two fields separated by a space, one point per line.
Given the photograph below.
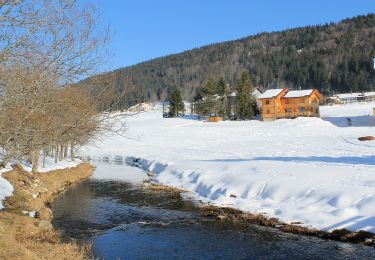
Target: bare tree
x=44 y=46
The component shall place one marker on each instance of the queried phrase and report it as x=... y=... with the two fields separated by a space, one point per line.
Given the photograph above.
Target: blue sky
x=146 y=29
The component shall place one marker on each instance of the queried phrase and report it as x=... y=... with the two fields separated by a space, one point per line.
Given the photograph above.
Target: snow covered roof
x=348 y=95
x=298 y=93
x=355 y=95
x=256 y=92
x=271 y=93
x=369 y=94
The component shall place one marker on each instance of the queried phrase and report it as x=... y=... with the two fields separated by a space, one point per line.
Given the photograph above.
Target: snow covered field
x=308 y=169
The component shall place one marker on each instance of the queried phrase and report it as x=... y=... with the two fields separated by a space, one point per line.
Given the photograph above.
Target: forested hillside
x=333 y=58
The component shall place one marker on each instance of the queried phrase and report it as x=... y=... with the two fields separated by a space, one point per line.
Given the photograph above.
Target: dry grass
x=51 y=240
x=234 y=215
x=162 y=188
x=20 y=236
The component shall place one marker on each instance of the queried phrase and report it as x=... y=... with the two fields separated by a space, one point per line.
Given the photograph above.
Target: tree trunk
x=72 y=151
x=35 y=161
x=44 y=159
x=65 y=151
x=56 y=154
x=61 y=155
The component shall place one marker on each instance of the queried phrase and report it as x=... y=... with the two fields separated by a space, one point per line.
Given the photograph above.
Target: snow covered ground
x=51 y=165
x=6 y=188
x=308 y=169
x=105 y=171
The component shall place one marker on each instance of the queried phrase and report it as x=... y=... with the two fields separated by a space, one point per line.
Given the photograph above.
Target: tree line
x=333 y=58
x=217 y=98
x=45 y=46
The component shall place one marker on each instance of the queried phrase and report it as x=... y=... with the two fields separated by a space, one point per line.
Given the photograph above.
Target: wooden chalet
x=282 y=103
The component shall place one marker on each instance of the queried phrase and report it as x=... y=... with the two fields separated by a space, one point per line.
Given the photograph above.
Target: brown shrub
x=366 y=138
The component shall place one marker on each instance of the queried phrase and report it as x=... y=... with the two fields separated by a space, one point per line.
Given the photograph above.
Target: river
x=123 y=220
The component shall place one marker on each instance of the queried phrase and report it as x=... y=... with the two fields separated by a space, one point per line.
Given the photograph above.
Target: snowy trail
x=308 y=169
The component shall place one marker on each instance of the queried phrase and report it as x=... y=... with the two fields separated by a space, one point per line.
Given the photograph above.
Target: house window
x=268 y=111
x=267 y=101
x=301 y=109
x=288 y=110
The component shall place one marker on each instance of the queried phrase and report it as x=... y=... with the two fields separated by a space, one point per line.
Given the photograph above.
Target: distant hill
x=335 y=57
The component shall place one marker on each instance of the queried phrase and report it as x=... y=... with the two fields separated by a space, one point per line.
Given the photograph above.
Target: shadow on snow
x=364 y=160
x=355 y=223
x=353 y=121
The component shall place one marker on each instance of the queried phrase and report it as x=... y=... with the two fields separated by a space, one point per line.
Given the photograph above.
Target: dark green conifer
x=176 y=103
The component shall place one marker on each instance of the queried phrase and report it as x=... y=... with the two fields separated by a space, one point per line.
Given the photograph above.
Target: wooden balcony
x=295 y=114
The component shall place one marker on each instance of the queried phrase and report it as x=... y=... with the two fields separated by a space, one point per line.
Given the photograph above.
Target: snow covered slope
x=350 y=114
x=308 y=169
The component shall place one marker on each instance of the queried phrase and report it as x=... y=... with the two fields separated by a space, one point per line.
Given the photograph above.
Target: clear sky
x=146 y=29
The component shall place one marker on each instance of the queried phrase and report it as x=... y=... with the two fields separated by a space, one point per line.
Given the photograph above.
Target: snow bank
x=51 y=165
x=307 y=169
x=141 y=107
x=105 y=171
x=347 y=110
x=349 y=115
x=6 y=188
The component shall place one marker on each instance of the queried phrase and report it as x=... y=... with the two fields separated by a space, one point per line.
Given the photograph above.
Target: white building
x=348 y=98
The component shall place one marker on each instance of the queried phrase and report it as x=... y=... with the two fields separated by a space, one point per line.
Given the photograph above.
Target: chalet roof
x=298 y=93
x=271 y=93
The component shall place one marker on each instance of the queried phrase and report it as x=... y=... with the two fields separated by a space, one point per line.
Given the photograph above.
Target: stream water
x=123 y=220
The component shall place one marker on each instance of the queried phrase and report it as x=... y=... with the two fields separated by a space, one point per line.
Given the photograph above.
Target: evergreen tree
x=198 y=96
x=220 y=87
x=220 y=90
x=245 y=99
x=198 y=103
x=209 y=88
x=176 y=104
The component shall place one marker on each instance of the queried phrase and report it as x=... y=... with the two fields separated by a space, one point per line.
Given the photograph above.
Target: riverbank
x=237 y=216
x=25 y=228
x=125 y=220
